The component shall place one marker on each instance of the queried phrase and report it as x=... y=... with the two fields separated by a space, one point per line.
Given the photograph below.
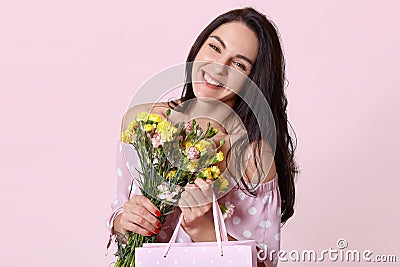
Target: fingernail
x=150 y=233
x=157 y=231
x=157 y=213
x=159 y=224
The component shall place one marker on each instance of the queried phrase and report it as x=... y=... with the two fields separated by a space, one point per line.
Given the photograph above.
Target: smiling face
x=224 y=61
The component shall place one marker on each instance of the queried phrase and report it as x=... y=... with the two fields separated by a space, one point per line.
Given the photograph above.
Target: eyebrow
x=224 y=46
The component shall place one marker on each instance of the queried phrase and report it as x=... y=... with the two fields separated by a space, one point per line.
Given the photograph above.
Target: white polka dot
x=157 y=262
x=119 y=172
x=180 y=240
x=265 y=199
x=278 y=211
x=247 y=234
x=120 y=148
x=115 y=202
x=204 y=250
x=186 y=250
x=230 y=261
x=176 y=262
x=211 y=261
x=242 y=195
x=194 y=262
x=149 y=251
x=277 y=236
x=265 y=224
x=247 y=261
x=162 y=234
x=252 y=211
x=236 y=220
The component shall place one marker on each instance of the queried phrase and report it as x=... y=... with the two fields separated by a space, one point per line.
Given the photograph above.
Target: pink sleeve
x=124 y=184
x=257 y=218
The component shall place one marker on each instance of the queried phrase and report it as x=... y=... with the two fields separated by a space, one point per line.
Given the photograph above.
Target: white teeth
x=210 y=80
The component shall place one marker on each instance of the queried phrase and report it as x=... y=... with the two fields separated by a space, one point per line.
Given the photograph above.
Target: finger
x=198 y=195
x=189 y=198
x=143 y=223
x=147 y=204
x=186 y=211
x=205 y=188
x=184 y=206
x=132 y=227
x=140 y=211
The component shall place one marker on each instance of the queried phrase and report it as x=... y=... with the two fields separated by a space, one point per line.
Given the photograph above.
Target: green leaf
x=223 y=208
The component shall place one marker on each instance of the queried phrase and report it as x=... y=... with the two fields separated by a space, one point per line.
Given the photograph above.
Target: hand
x=139 y=216
x=195 y=202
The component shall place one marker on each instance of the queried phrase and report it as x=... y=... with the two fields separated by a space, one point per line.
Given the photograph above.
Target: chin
x=206 y=93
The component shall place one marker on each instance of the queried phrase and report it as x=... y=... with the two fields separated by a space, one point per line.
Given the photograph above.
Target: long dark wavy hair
x=268 y=73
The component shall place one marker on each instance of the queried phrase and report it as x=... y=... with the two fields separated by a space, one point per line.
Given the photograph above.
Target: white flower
x=230 y=208
x=166 y=194
x=163 y=187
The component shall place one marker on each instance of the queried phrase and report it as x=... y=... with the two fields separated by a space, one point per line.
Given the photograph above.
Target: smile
x=209 y=81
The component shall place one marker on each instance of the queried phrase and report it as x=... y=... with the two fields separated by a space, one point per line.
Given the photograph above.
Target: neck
x=213 y=109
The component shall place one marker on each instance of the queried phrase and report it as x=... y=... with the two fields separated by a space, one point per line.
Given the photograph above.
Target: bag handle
x=219 y=226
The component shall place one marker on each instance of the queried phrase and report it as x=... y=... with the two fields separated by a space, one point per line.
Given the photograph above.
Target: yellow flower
x=220 y=156
x=188 y=144
x=215 y=130
x=132 y=125
x=126 y=136
x=148 y=127
x=223 y=183
x=207 y=173
x=216 y=171
x=192 y=166
x=166 y=130
x=155 y=118
x=202 y=145
x=142 y=116
x=171 y=174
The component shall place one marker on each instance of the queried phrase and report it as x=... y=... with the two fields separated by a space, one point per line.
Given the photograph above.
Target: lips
x=210 y=81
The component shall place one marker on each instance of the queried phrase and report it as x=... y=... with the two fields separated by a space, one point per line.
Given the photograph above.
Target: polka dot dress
x=256 y=218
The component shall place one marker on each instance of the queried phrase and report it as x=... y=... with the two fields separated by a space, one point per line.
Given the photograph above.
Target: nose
x=220 y=68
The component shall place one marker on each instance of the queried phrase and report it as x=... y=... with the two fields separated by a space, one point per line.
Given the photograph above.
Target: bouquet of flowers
x=171 y=156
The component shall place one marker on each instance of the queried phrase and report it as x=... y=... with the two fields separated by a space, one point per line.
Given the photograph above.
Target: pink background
x=68 y=70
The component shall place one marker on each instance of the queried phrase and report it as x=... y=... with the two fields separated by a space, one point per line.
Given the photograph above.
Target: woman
x=240 y=43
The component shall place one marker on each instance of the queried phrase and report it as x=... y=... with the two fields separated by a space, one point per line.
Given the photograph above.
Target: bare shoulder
x=265 y=163
x=159 y=108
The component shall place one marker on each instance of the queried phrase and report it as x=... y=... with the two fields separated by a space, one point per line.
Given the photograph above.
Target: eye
x=240 y=65
x=214 y=47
